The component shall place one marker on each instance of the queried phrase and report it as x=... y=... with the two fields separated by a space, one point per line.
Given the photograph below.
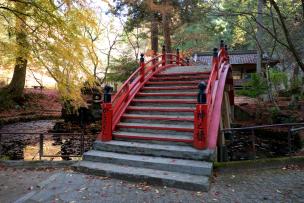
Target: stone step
x=123 y=135
x=186 y=130
x=152 y=110
x=169 y=150
x=178 y=74
x=151 y=176
x=165 y=102
x=181 y=95
x=158 y=163
x=172 y=83
x=195 y=78
x=164 y=90
x=172 y=88
x=158 y=119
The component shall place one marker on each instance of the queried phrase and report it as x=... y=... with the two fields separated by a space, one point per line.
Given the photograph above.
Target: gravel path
x=275 y=185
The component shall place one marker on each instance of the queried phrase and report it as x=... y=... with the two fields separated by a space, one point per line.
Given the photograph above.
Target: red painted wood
x=216 y=111
x=155 y=127
x=164 y=118
x=165 y=101
x=106 y=131
x=200 y=135
x=160 y=109
x=153 y=138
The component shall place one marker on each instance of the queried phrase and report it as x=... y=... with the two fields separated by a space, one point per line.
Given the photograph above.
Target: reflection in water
x=26 y=146
x=31 y=152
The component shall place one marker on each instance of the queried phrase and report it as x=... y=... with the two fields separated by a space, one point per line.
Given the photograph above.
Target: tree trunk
x=16 y=86
x=292 y=48
x=166 y=26
x=259 y=36
x=303 y=9
x=154 y=33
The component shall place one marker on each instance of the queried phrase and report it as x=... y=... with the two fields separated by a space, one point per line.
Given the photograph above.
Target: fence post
x=252 y=137
x=142 y=68
x=200 y=119
x=81 y=143
x=106 y=117
x=0 y=144
x=164 y=57
x=177 y=56
x=40 y=146
x=289 y=141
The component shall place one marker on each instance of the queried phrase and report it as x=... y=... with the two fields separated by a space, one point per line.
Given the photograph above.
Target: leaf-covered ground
x=285 y=184
x=37 y=104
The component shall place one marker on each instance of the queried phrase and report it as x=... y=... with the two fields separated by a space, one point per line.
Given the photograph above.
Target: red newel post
x=226 y=52
x=164 y=56
x=177 y=56
x=215 y=61
x=107 y=114
x=142 y=68
x=200 y=119
x=222 y=52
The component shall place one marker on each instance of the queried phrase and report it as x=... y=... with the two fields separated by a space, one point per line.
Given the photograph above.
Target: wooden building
x=243 y=63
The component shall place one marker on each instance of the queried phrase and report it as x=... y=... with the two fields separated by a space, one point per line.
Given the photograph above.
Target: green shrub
x=122 y=68
x=255 y=87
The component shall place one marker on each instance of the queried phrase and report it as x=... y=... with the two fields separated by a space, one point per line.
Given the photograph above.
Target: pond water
x=26 y=146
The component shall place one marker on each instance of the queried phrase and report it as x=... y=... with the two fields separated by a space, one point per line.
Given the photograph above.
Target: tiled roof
x=237 y=57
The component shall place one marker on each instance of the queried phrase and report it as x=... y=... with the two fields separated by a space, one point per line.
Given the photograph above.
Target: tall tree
x=46 y=35
x=154 y=32
x=166 y=22
x=16 y=86
x=259 y=35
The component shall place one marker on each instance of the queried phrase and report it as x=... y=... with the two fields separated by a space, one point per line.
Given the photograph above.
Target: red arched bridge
x=163 y=124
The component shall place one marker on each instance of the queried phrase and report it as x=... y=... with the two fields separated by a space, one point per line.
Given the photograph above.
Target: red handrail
x=133 y=84
x=207 y=115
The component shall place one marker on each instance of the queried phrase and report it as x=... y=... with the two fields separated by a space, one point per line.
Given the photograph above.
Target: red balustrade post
x=177 y=57
x=215 y=61
x=107 y=116
x=226 y=52
x=142 y=68
x=154 y=60
x=200 y=136
x=164 y=57
x=222 y=52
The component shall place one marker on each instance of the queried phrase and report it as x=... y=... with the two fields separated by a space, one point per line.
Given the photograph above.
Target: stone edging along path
x=10 y=120
x=36 y=164
x=218 y=166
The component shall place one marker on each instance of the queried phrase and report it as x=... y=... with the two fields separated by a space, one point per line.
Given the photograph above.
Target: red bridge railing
x=114 y=108
x=207 y=114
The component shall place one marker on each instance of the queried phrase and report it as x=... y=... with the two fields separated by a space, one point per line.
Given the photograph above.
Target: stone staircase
x=153 y=141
